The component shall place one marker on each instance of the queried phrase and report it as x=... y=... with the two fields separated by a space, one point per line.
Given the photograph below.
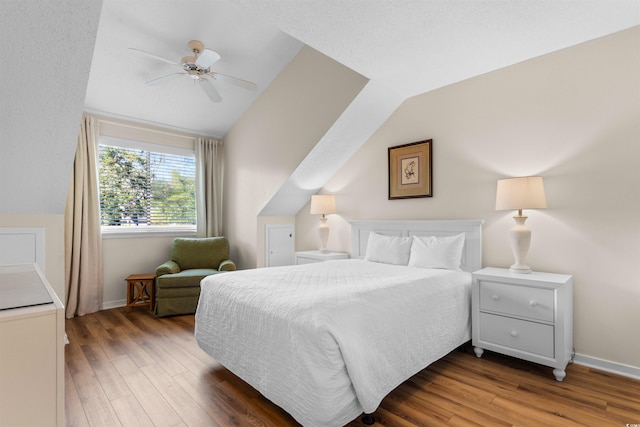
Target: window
x=145 y=187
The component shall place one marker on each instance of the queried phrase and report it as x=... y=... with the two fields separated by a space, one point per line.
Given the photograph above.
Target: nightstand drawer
x=523 y=301
x=521 y=335
x=306 y=257
x=305 y=260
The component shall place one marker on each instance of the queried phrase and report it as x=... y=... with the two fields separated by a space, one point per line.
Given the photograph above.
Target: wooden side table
x=140 y=290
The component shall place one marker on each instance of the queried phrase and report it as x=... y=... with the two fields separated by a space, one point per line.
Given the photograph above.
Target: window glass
x=146 y=191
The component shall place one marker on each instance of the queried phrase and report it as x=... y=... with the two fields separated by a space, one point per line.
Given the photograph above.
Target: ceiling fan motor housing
x=195 y=46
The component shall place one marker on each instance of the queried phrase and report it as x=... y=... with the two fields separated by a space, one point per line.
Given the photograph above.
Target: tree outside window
x=140 y=188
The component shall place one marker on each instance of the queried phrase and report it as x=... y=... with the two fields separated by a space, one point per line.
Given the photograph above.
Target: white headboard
x=471 y=255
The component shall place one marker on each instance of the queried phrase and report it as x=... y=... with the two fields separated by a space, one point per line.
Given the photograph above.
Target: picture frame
x=410 y=170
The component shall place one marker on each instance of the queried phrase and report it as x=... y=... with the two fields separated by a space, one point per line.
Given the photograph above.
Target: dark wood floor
x=131 y=369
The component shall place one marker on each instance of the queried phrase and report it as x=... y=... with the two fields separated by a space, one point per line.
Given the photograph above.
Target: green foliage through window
x=140 y=188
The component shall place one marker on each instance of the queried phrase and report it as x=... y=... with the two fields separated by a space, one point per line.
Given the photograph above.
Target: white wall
x=125 y=256
x=53 y=245
x=261 y=237
x=138 y=253
x=573 y=117
x=274 y=136
x=40 y=118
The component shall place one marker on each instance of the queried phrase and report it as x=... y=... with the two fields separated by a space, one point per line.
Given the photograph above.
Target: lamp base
x=323 y=231
x=520 y=269
x=520 y=236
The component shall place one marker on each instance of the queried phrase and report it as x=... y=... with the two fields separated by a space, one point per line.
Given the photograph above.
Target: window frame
x=109 y=232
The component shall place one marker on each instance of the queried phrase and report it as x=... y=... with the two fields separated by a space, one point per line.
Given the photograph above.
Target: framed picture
x=410 y=170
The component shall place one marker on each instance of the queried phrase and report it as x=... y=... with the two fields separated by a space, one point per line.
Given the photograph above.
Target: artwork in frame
x=410 y=170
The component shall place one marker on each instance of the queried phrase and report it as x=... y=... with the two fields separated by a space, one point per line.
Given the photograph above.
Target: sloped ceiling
x=250 y=48
x=409 y=46
x=46 y=50
x=414 y=46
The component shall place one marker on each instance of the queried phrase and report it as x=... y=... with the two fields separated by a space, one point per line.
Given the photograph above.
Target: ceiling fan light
x=188 y=59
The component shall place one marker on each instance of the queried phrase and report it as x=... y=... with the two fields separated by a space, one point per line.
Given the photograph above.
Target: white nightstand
x=529 y=316
x=305 y=257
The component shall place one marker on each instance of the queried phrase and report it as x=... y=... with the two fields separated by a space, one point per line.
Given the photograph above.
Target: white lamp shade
x=323 y=204
x=520 y=193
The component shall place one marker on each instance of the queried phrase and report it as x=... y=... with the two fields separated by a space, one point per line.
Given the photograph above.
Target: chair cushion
x=199 y=252
x=185 y=278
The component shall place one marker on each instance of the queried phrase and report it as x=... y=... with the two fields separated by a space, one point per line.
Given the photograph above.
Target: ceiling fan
x=198 y=68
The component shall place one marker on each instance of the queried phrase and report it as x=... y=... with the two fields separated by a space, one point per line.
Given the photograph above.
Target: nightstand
x=307 y=257
x=529 y=316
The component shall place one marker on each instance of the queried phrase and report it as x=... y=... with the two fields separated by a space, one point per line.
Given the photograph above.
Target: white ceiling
x=250 y=49
x=408 y=46
x=411 y=46
x=414 y=46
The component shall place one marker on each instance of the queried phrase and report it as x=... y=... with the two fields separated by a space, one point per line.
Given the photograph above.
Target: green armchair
x=178 y=280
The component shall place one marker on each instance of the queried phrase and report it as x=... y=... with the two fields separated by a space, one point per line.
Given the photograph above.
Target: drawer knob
x=495 y=297
x=533 y=303
x=513 y=333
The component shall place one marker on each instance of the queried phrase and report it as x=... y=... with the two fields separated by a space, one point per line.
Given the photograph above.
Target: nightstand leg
x=478 y=351
x=559 y=374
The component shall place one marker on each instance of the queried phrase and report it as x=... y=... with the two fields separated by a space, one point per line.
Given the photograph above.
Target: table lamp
x=520 y=193
x=323 y=205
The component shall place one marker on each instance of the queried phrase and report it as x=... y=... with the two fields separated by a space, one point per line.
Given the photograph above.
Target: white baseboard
x=608 y=366
x=114 y=304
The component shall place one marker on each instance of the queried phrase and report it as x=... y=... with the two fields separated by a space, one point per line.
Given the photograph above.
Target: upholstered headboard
x=472 y=252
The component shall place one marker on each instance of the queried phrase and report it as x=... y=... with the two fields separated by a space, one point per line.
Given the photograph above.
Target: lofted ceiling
x=250 y=49
x=414 y=46
x=411 y=46
x=78 y=51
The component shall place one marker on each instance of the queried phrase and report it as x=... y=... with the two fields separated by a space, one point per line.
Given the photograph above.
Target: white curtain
x=209 y=173
x=82 y=239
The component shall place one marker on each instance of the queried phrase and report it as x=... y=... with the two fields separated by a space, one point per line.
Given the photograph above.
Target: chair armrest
x=169 y=267
x=227 y=265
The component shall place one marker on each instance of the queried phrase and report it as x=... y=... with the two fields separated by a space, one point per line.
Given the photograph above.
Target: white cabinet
x=529 y=316
x=31 y=349
x=306 y=257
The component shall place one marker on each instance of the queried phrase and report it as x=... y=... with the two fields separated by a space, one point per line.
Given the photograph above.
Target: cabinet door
x=279 y=245
x=28 y=370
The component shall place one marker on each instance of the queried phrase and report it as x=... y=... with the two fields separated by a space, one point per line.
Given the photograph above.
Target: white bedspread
x=327 y=341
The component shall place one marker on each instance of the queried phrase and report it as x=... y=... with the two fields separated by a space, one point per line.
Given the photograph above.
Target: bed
x=328 y=341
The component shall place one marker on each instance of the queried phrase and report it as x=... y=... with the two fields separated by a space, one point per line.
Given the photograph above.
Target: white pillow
x=388 y=249
x=437 y=252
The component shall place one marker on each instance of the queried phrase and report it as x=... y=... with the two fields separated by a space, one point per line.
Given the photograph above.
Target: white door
x=279 y=245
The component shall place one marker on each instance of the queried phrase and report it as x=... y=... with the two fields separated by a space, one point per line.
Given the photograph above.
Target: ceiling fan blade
x=235 y=81
x=163 y=79
x=154 y=56
x=211 y=91
x=207 y=58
